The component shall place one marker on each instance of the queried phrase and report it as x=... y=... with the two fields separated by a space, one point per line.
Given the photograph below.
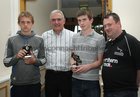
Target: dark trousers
x=85 y=88
x=58 y=82
x=26 y=90
x=122 y=93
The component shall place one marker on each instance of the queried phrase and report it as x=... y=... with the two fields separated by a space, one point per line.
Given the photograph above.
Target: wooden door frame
x=22 y=5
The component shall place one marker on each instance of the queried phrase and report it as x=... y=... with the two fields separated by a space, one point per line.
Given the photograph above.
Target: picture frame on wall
x=106 y=7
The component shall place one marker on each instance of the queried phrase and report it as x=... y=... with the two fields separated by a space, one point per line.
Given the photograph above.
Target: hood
x=27 y=36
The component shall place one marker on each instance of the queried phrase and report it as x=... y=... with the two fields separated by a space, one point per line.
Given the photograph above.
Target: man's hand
x=81 y=68
x=31 y=60
x=21 y=54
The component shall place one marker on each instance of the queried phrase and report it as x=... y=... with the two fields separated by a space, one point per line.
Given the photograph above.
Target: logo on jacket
x=119 y=52
x=108 y=62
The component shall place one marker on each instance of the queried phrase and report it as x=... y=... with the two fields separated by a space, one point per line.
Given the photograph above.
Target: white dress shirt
x=58 y=49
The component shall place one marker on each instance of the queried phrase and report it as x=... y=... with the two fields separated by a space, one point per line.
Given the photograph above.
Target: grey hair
x=57 y=11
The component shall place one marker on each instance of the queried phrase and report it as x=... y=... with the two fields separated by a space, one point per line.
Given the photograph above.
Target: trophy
x=28 y=48
x=76 y=58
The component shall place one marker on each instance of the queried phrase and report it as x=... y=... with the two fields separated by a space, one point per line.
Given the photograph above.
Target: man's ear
x=91 y=20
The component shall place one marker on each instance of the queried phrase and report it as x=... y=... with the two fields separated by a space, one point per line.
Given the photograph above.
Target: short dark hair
x=115 y=16
x=85 y=12
x=26 y=14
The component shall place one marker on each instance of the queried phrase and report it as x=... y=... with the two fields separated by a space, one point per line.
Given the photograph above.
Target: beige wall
x=41 y=10
x=129 y=14
x=5 y=28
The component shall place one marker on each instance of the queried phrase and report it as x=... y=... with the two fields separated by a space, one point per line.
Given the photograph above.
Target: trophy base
x=29 y=56
x=74 y=66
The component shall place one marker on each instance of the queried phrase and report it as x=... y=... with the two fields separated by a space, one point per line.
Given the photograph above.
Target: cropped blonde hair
x=26 y=14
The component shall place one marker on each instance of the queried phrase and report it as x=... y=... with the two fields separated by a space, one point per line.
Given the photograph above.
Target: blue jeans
x=121 y=94
x=85 y=88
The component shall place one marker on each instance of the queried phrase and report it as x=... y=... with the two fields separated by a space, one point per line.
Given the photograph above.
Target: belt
x=56 y=71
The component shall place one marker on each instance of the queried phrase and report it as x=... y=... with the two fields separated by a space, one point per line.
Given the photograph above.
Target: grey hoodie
x=23 y=74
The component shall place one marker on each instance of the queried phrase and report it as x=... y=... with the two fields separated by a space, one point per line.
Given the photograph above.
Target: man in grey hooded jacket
x=25 y=77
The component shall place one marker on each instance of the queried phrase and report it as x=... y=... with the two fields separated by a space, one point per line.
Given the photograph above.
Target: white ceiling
x=77 y=3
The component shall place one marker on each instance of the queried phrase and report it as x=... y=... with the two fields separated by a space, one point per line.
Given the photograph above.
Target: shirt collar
x=60 y=34
x=90 y=34
x=120 y=37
